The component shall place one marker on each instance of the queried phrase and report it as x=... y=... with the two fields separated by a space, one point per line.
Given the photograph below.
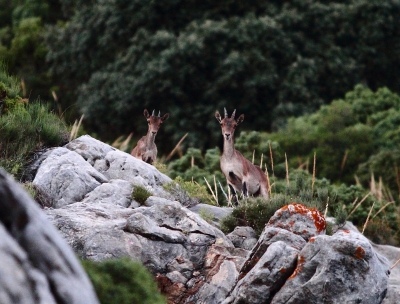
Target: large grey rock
x=262 y=282
x=216 y=213
x=192 y=260
x=300 y=220
x=115 y=164
x=66 y=177
x=393 y=255
x=220 y=272
x=290 y=265
x=243 y=237
x=36 y=264
x=266 y=269
x=343 y=268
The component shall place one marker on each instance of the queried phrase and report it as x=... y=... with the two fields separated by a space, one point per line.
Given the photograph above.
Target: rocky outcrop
x=293 y=261
x=36 y=264
x=393 y=255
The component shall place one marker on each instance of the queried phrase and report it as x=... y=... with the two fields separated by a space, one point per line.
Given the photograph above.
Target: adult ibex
x=240 y=173
x=146 y=148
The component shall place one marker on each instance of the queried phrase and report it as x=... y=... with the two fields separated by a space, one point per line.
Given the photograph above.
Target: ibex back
x=240 y=173
x=146 y=148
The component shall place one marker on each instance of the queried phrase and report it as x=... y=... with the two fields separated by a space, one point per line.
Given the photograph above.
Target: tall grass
x=25 y=130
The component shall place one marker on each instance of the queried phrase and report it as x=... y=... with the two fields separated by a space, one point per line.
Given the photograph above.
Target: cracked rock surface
x=89 y=187
x=36 y=264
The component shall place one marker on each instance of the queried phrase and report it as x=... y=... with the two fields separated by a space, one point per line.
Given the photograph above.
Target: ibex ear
x=218 y=116
x=165 y=117
x=146 y=113
x=240 y=119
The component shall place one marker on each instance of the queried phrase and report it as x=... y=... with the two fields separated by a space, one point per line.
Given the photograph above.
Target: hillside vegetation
x=269 y=59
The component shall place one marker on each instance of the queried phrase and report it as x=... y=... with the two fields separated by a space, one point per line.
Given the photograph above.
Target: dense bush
x=271 y=60
x=194 y=166
x=122 y=281
x=354 y=136
x=189 y=193
x=25 y=127
x=256 y=212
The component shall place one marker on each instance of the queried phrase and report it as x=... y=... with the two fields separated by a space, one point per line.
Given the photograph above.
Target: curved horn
x=152 y=114
x=159 y=112
x=233 y=113
x=226 y=113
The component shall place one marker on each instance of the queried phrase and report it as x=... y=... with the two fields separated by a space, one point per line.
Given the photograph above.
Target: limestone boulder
x=36 y=264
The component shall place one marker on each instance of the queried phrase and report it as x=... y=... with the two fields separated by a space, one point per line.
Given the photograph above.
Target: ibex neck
x=150 y=138
x=229 y=148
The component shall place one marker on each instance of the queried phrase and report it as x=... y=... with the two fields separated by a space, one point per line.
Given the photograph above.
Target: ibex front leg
x=235 y=199
x=244 y=189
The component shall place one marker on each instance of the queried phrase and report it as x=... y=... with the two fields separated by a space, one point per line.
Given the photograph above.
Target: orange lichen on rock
x=312 y=240
x=283 y=270
x=359 y=253
x=300 y=262
x=313 y=213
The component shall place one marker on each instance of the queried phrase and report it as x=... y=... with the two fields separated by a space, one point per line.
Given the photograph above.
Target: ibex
x=240 y=173
x=146 y=148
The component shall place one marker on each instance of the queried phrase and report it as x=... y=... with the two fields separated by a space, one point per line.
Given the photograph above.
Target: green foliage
x=270 y=60
x=9 y=85
x=24 y=127
x=329 y=228
x=340 y=215
x=206 y=215
x=188 y=193
x=347 y=137
x=193 y=166
x=22 y=46
x=256 y=212
x=25 y=130
x=380 y=232
x=140 y=194
x=122 y=281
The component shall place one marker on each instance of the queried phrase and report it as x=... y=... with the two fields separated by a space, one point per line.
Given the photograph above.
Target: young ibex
x=146 y=148
x=240 y=173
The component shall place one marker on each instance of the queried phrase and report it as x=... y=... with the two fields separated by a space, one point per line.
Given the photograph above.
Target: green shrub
x=24 y=127
x=140 y=194
x=206 y=215
x=380 y=232
x=188 y=193
x=26 y=130
x=195 y=167
x=340 y=215
x=122 y=281
x=256 y=212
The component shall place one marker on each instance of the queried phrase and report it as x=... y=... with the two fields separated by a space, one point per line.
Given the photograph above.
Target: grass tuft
x=140 y=194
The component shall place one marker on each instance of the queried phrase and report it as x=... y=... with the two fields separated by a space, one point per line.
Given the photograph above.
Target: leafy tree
x=22 y=45
x=25 y=126
x=270 y=60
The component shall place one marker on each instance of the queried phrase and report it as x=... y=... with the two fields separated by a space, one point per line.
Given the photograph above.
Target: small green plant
x=379 y=232
x=123 y=281
x=30 y=188
x=26 y=130
x=140 y=194
x=329 y=228
x=188 y=193
x=256 y=212
x=206 y=215
x=340 y=215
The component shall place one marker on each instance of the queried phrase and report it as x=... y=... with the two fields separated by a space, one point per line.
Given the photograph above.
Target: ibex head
x=228 y=125
x=154 y=121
